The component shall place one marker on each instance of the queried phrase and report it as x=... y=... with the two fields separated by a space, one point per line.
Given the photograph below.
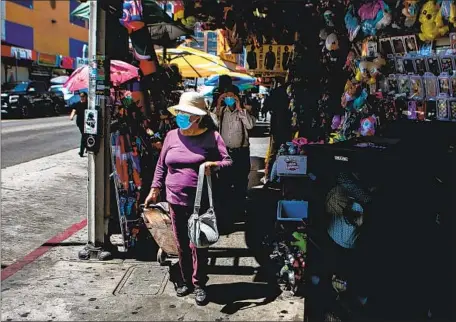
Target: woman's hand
x=152 y=197
x=208 y=167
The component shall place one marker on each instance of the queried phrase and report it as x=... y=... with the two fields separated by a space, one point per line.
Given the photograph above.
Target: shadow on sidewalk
x=242 y=296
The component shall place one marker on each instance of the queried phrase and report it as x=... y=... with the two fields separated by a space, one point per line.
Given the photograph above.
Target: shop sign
x=81 y=62
x=47 y=60
x=21 y=53
x=66 y=62
x=223 y=48
x=272 y=60
x=40 y=71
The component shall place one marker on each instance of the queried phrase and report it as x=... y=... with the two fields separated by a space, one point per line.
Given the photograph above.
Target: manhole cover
x=143 y=280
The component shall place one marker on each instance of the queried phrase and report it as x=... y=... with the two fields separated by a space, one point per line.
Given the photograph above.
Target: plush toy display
x=352 y=23
x=368 y=126
x=369 y=70
x=431 y=22
x=410 y=12
x=374 y=16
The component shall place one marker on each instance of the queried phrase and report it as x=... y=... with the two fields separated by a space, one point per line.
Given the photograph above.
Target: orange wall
x=50 y=38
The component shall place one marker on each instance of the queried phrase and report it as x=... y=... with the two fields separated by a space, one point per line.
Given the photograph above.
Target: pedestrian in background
x=184 y=150
x=234 y=123
x=79 y=111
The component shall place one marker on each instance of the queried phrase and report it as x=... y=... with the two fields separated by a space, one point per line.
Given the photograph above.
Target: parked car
x=30 y=98
x=69 y=97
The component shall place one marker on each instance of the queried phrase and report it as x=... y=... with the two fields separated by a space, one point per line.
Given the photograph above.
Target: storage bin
x=292 y=210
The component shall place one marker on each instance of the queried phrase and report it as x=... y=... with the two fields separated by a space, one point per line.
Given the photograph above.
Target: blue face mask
x=230 y=101
x=183 y=121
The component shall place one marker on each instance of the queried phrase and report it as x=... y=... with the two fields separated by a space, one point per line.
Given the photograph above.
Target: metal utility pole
x=98 y=186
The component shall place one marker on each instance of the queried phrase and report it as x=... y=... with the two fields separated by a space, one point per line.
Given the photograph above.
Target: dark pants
x=192 y=260
x=234 y=180
x=82 y=145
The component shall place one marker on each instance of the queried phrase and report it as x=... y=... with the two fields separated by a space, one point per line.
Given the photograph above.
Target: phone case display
x=453 y=85
x=444 y=84
x=420 y=110
x=403 y=84
x=430 y=85
x=416 y=87
x=409 y=66
x=392 y=83
x=432 y=65
x=411 y=108
x=446 y=64
x=452 y=109
x=420 y=66
x=400 y=68
x=443 y=113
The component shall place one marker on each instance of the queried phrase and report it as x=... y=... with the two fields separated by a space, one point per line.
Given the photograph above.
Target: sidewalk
x=59 y=287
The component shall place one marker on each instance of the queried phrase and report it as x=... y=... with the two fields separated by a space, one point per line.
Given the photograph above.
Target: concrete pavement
x=41 y=198
x=47 y=195
x=26 y=140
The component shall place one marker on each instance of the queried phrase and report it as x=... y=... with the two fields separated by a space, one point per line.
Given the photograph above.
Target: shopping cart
x=158 y=222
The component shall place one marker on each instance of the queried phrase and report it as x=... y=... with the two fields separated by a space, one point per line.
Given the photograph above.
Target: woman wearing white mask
x=184 y=150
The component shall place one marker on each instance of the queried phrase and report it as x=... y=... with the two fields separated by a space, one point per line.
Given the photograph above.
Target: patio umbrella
x=194 y=63
x=207 y=91
x=238 y=79
x=59 y=80
x=121 y=72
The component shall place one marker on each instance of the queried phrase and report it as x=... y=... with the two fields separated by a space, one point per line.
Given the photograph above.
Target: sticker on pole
x=90 y=122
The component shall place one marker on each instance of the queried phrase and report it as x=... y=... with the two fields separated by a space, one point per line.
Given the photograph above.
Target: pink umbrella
x=121 y=72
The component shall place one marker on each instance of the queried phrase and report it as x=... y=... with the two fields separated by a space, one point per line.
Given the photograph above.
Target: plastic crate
x=292 y=210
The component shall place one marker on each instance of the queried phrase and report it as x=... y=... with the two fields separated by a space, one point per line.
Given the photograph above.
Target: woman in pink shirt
x=184 y=150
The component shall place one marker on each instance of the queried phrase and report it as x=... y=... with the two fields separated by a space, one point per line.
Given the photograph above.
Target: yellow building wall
x=48 y=37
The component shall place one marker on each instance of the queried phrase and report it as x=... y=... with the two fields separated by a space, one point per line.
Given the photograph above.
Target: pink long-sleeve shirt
x=179 y=161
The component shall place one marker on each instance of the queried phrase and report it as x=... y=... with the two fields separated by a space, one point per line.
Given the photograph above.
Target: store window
x=19 y=35
x=76 y=20
x=77 y=48
x=24 y=3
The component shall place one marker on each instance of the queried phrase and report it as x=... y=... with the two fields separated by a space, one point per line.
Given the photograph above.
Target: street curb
x=40 y=251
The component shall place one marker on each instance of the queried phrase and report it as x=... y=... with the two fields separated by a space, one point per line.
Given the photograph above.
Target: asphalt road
x=26 y=140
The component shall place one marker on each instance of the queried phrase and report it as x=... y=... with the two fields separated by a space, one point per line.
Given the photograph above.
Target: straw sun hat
x=191 y=103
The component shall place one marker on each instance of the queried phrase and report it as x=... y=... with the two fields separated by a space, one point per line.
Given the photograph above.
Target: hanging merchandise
x=444 y=84
x=430 y=85
x=410 y=12
x=431 y=22
x=442 y=112
x=374 y=16
x=416 y=87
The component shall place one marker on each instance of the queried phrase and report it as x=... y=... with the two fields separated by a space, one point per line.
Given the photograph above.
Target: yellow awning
x=195 y=63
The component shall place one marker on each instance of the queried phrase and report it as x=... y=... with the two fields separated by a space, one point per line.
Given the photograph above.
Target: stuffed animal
x=381 y=20
x=431 y=22
x=351 y=23
x=452 y=17
x=410 y=11
x=368 y=71
x=368 y=126
x=300 y=242
x=351 y=91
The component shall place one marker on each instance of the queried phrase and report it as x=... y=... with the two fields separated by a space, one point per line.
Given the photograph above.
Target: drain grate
x=143 y=280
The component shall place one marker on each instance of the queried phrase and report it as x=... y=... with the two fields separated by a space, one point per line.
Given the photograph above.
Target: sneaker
x=183 y=291
x=200 y=296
